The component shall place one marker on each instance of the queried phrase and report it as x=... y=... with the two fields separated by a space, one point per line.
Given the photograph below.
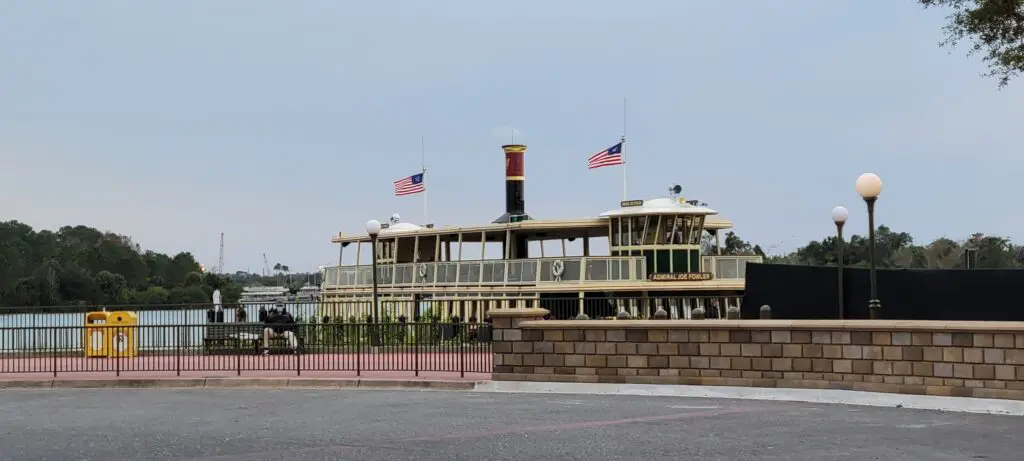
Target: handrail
x=515 y=272
x=728 y=267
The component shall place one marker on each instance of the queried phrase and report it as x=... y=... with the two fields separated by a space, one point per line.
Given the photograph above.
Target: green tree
x=112 y=285
x=82 y=265
x=996 y=29
x=735 y=246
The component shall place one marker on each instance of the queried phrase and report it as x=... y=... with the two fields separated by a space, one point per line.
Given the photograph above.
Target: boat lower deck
x=474 y=306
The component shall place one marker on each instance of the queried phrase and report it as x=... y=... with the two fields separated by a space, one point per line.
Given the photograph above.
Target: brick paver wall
x=970 y=359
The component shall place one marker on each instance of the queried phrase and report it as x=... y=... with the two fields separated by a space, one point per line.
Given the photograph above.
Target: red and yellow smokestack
x=515 y=198
x=515 y=179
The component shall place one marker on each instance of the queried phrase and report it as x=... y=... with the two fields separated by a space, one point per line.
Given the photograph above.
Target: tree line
x=80 y=265
x=892 y=250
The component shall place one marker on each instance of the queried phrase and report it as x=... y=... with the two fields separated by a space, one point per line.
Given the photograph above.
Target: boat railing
x=525 y=272
x=728 y=267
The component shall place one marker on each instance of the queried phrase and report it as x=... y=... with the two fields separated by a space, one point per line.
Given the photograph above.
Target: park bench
x=234 y=338
x=279 y=344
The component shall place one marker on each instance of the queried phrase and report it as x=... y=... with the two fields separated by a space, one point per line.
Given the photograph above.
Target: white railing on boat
x=728 y=267
x=527 y=272
x=524 y=272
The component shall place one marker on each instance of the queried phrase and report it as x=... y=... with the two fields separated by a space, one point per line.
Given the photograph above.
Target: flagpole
x=423 y=169
x=623 y=150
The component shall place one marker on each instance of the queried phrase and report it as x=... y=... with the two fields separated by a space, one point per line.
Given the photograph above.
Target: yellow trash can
x=123 y=327
x=96 y=338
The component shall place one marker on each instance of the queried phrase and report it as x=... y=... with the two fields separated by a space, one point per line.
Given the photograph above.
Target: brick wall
x=970 y=359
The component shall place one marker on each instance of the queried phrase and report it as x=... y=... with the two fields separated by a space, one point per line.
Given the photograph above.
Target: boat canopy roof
x=534 y=229
x=660 y=206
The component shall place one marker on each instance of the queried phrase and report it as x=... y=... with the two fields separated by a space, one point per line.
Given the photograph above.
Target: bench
x=279 y=344
x=232 y=337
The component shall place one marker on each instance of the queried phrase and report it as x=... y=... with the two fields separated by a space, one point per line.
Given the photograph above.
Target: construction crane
x=220 y=260
x=266 y=266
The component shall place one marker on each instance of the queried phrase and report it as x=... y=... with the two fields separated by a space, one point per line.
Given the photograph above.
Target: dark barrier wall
x=810 y=292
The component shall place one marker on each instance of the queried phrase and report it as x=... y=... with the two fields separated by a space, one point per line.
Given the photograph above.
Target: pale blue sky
x=281 y=123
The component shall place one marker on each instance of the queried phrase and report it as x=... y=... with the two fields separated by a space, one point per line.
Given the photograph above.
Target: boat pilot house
x=644 y=255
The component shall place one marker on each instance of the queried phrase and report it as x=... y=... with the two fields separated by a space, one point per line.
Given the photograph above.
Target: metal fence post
x=462 y=357
x=54 y=351
x=298 y=355
x=238 y=356
x=177 y=351
x=359 y=349
x=117 y=356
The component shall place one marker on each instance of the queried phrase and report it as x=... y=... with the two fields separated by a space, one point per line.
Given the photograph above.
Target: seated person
x=280 y=324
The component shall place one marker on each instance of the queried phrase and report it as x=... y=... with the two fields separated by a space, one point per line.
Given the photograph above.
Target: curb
x=242 y=383
x=822 y=396
x=825 y=396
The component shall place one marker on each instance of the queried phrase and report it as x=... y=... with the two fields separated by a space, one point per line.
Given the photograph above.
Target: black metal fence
x=237 y=347
x=811 y=292
x=433 y=335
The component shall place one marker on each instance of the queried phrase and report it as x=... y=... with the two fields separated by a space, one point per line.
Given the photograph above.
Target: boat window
x=696 y=231
x=686 y=229
x=637 y=224
x=651 y=230
x=668 y=223
x=616 y=231
x=385 y=250
x=677 y=230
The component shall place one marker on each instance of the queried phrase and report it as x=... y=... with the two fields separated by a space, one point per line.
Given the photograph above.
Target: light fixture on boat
x=373 y=228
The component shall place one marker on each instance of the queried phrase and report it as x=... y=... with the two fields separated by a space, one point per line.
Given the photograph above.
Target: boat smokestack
x=515 y=179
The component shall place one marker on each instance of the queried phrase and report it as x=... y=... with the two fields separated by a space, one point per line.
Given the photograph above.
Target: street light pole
x=839 y=215
x=373 y=228
x=869 y=186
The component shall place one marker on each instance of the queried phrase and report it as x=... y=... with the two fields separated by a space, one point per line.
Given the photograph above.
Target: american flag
x=410 y=185
x=608 y=157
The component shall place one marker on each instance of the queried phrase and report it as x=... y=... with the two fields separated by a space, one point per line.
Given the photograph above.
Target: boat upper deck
x=539 y=229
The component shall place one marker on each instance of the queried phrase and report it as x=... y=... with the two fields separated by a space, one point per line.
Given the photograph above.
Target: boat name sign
x=681 y=277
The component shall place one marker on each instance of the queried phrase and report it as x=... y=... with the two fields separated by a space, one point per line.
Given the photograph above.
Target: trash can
x=96 y=334
x=123 y=330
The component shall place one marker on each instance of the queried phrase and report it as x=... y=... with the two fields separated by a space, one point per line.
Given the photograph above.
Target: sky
x=282 y=123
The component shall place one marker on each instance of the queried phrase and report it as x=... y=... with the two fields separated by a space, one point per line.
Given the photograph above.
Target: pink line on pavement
x=585 y=424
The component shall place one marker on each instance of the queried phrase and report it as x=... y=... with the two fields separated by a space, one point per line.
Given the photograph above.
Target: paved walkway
x=262 y=424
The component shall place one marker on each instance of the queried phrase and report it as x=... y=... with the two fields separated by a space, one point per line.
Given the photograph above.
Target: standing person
x=280 y=324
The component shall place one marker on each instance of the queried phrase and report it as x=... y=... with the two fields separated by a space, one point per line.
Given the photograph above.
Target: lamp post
x=373 y=228
x=839 y=215
x=869 y=187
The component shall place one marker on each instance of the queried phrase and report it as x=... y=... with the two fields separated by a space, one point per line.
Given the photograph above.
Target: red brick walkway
x=474 y=366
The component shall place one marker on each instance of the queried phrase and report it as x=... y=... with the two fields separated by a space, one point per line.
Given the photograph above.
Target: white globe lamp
x=869 y=186
x=839 y=214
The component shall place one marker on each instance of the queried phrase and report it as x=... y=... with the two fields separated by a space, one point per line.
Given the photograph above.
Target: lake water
x=159 y=329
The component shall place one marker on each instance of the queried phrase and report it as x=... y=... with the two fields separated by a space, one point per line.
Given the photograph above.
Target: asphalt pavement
x=309 y=425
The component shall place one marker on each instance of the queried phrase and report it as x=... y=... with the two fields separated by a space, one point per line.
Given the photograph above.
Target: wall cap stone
x=518 y=312
x=830 y=325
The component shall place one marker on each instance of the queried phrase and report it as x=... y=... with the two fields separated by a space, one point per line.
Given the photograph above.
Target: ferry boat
x=261 y=294
x=275 y=294
x=654 y=260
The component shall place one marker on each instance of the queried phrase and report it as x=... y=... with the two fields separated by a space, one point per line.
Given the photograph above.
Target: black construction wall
x=810 y=292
